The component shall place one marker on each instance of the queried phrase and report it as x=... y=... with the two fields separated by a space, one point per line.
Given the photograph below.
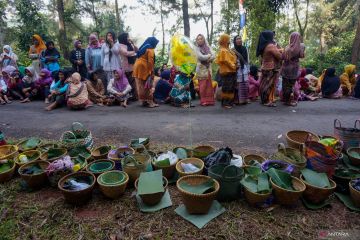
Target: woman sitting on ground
x=41 y=87
x=162 y=88
x=15 y=86
x=348 y=80
x=3 y=92
x=331 y=86
x=58 y=91
x=357 y=88
x=96 y=89
x=77 y=93
x=254 y=83
x=28 y=81
x=313 y=83
x=119 y=88
x=180 y=93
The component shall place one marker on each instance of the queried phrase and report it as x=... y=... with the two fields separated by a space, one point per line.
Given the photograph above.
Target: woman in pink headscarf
x=291 y=68
x=119 y=88
x=93 y=54
x=41 y=87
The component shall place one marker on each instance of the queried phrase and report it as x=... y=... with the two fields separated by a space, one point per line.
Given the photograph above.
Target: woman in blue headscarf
x=144 y=72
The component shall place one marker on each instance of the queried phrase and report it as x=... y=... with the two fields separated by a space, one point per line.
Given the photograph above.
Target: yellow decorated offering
x=182 y=54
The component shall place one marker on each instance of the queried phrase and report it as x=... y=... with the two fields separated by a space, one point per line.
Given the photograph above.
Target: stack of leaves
x=79 y=151
x=202 y=188
x=30 y=143
x=254 y=163
x=55 y=153
x=256 y=181
x=316 y=179
x=281 y=178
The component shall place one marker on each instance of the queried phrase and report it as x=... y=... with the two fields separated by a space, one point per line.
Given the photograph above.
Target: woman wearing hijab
x=15 y=86
x=28 y=81
x=271 y=55
x=331 y=85
x=203 y=71
x=180 y=93
x=357 y=88
x=93 y=54
x=77 y=93
x=226 y=59
x=8 y=57
x=34 y=53
x=254 y=83
x=41 y=87
x=58 y=90
x=348 y=80
x=50 y=57
x=119 y=88
x=77 y=58
x=128 y=57
x=163 y=88
x=96 y=89
x=291 y=67
x=110 y=56
x=242 y=96
x=4 y=83
x=144 y=72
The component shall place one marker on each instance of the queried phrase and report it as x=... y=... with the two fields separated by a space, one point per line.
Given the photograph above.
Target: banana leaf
x=205 y=187
x=263 y=185
x=181 y=153
x=250 y=183
x=30 y=143
x=32 y=157
x=200 y=154
x=253 y=171
x=163 y=163
x=316 y=179
x=79 y=151
x=346 y=173
x=280 y=178
x=54 y=153
x=5 y=167
x=104 y=149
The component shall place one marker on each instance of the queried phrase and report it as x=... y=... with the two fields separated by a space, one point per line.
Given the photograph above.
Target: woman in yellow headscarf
x=34 y=53
x=348 y=80
x=226 y=59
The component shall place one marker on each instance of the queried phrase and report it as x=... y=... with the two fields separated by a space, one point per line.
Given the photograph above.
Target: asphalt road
x=253 y=126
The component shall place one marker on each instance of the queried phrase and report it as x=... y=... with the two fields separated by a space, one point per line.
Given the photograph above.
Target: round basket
x=8 y=152
x=83 y=163
x=8 y=174
x=285 y=153
x=114 y=155
x=38 y=180
x=296 y=138
x=250 y=157
x=77 y=197
x=101 y=152
x=154 y=198
x=202 y=151
x=62 y=153
x=100 y=166
x=288 y=197
x=167 y=171
x=34 y=155
x=315 y=194
x=354 y=160
x=133 y=165
x=256 y=199
x=197 y=203
x=140 y=148
x=195 y=161
x=113 y=183
x=22 y=147
x=355 y=195
x=46 y=146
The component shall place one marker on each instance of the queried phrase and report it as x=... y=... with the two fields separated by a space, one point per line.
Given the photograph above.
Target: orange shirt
x=144 y=66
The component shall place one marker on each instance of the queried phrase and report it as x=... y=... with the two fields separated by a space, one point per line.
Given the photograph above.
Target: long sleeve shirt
x=111 y=89
x=113 y=63
x=93 y=58
x=57 y=87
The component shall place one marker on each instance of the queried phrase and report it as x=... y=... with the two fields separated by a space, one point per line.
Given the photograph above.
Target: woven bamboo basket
x=296 y=138
x=284 y=154
x=256 y=199
x=114 y=190
x=355 y=195
x=46 y=146
x=354 y=160
x=8 y=152
x=102 y=165
x=77 y=197
x=35 y=154
x=100 y=152
x=198 y=151
x=315 y=194
x=250 y=157
x=134 y=164
x=167 y=171
x=115 y=157
x=19 y=145
x=154 y=198
x=45 y=156
x=7 y=175
x=195 y=161
x=35 y=181
x=197 y=203
x=288 y=197
x=140 y=148
x=83 y=164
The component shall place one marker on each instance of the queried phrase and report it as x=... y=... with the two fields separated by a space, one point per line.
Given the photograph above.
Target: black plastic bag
x=223 y=155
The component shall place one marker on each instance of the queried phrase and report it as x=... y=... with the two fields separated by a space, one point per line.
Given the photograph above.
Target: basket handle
x=145 y=151
x=357 y=122
x=68 y=132
x=337 y=123
x=302 y=149
x=281 y=147
x=227 y=169
x=77 y=126
x=131 y=159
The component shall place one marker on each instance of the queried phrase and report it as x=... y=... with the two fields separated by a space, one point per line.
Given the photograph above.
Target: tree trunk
x=211 y=21
x=185 y=10
x=162 y=29
x=94 y=14
x=356 y=45
x=62 y=29
x=117 y=14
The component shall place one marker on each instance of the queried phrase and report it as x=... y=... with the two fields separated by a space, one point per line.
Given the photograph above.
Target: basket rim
x=31 y=163
x=99 y=160
x=293 y=178
x=16 y=149
x=260 y=194
x=332 y=182
x=95 y=149
x=50 y=159
x=24 y=153
x=248 y=155
x=352 y=148
x=12 y=169
x=216 y=183
x=178 y=164
x=76 y=173
x=21 y=142
x=113 y=185
x=302 y=131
